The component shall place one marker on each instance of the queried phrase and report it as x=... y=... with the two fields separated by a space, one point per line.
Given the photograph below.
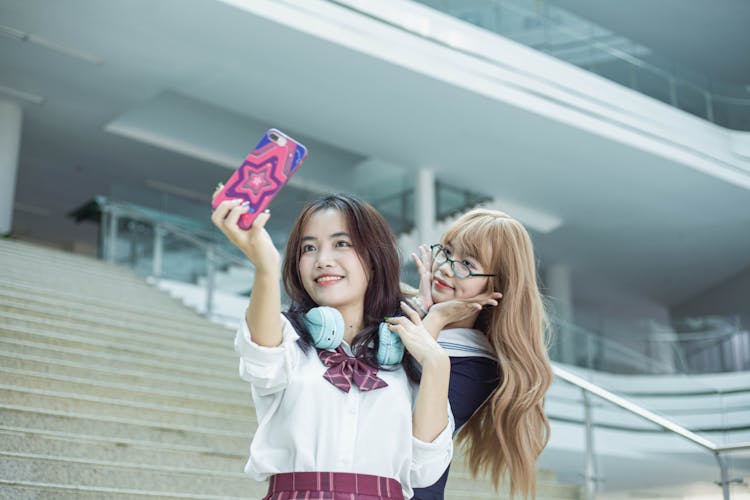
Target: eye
x=308 y=248
x=448 y=252
x=343 y=243
x=468 y=264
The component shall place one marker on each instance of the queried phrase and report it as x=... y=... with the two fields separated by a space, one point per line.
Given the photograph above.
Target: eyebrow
x=334 y=235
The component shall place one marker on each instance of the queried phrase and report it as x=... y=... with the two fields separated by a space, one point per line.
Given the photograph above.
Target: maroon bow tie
x=344 y=369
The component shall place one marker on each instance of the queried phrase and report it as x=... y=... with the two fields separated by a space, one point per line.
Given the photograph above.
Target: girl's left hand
x=424 y=266
x=417 y=340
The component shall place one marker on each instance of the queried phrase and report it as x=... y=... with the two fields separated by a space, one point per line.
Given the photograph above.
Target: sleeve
x=267 y=368
x=429 y=460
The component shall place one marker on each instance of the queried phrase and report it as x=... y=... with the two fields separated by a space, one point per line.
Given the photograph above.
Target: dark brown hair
x=375 y=245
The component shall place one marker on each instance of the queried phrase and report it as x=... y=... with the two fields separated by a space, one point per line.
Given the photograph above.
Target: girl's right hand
x=445 y=313
x=255 y=242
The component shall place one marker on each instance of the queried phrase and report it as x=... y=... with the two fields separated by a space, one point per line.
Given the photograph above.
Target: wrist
x=268 y=272
x=436 y=361
x=418 y=306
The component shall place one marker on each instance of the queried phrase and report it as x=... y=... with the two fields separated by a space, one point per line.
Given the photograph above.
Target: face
x=446 y=286
x=329 y=266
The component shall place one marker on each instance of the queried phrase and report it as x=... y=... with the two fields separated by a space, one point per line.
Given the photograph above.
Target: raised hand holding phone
x=262 y=175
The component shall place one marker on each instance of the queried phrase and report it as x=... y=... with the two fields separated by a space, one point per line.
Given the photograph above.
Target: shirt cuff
x=267 y=368
x=429 y=460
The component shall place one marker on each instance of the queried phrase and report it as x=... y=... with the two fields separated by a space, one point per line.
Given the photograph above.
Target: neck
x=464 y=323
x=353 y=321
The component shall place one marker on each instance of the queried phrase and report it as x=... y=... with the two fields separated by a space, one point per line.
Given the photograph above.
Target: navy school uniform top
x=474 y=375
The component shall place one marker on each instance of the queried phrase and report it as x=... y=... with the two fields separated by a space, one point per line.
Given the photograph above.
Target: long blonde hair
x=508 y=432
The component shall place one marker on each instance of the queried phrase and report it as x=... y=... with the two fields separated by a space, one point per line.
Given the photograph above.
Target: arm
x=430 y=415
x=263 y=313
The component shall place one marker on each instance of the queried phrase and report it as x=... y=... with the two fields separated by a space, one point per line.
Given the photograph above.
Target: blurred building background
x=617 y=132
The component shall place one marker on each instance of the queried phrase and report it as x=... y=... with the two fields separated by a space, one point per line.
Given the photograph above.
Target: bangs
x=473 y=235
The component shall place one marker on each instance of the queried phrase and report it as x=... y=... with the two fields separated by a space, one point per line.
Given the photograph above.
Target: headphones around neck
x=326 y=326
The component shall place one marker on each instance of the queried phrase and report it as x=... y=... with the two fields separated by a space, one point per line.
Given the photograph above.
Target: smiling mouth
x=442 y=284
x=328 y=280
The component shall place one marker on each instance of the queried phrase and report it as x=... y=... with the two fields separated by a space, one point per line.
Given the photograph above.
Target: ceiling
x=632 y=220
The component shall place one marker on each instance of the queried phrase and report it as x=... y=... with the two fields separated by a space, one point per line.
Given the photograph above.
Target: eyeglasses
x=460 y=268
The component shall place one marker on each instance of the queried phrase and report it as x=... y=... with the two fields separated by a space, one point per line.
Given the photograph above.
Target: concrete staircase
x=109 y=388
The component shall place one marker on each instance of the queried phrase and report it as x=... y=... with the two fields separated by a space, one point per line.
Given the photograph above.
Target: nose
x=446 y=268
x=324 y=258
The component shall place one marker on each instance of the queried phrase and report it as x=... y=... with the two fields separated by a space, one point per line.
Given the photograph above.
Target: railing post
x=724 y=475
x=589 y=465
x=210 y=281
x=673 y=91
x=158 y=251
x=112 y=234
x=709 y=106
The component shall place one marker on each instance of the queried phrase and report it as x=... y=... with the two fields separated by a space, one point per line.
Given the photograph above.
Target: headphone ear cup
x=326 y=327
x=390 y=347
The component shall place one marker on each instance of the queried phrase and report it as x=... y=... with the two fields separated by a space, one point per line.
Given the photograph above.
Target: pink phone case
x=264 y=172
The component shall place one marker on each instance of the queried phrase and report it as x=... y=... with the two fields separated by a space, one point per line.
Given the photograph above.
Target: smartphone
x=262 y=175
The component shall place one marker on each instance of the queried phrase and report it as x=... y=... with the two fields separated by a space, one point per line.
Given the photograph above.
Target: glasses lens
x=438 y=253
x=460 y=269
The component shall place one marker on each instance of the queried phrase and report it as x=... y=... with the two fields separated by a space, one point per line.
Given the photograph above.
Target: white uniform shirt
x=306 y=424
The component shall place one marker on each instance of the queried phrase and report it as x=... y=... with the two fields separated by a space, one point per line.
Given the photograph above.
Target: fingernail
x=267 y=211
x=245 y=204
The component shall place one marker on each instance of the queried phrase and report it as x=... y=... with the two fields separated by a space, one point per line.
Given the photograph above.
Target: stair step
x=100 y=371
x=136 y=411
x=130 y=476
x=25 y=490
x=124 y=430
x=32 y=342
x=59 y=260
x=77 y=447
x=101 y=326
x=142 y=299
x=32 y=379
x=51 y=307
x=140 y=294
x=225 y=363
x=116 y=309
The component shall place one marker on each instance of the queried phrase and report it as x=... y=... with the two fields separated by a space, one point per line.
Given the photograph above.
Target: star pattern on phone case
x=259 y=182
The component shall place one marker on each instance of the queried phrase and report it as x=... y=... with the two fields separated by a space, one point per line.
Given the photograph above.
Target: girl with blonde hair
x=500 y=370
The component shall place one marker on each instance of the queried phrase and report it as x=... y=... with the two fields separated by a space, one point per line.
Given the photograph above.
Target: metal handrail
x=664 y=423
x=211 y=249
x=134 y=213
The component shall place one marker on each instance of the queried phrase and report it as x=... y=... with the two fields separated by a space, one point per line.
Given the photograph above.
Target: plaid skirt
x=332 y=486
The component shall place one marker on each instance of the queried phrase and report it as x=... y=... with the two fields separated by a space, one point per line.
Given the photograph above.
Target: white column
x=424 y=205
x=560 y=294
x=10 y=142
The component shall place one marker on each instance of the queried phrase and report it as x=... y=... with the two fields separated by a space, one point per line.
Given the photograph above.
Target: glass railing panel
x=626 y=456
x=631 y=456
x=576 y=40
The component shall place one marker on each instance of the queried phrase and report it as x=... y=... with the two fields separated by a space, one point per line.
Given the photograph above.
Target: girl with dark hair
x=346 y=420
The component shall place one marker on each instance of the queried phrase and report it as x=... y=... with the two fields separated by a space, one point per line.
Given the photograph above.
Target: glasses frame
x=452 y=262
